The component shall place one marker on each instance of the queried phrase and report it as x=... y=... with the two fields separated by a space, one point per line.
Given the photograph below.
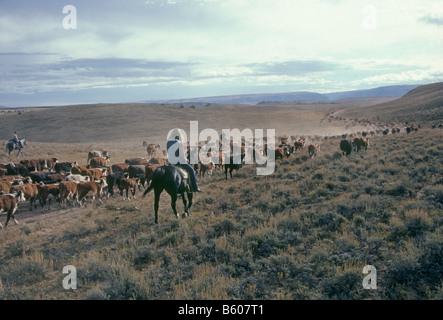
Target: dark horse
x=171 y=179
x=11 y=145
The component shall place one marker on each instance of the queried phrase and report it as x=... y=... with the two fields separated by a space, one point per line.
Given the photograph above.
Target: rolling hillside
x=424 y=104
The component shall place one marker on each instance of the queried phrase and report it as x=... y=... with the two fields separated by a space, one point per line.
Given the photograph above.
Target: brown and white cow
x=29 y=191
x=95 y=153
x=46 y=193
x=361 y=143
x=5 y=186
x=152 y=149
x=203 y=168
x=299 y=144
x=313 y=149
x=67 y=191
x=9 y=204
x=119 y=167
x=128 y=184
x=90 y=188
x=98 y=162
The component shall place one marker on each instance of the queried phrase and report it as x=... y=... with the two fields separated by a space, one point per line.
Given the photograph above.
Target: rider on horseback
x=181 y=162
x=15 y=138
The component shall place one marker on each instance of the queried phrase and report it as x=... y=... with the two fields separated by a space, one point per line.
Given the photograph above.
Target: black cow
x=64 y=166
x=114 y=179
x=231 y=166
x=38 y=177
x=16 y=170
x=346 y=146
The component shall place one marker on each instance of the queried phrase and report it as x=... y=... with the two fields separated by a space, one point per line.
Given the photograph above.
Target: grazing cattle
x=3 y=172
x=280 y=153
x=98 y=162
x=55 y=177
x=158 y=160
x=149 y=171
x=47 y=192
x=93 y=174
x=77 y=178
x=313 y=149
x=346 y=146
x=300 y=144
x=411 y=129
x=90 y=188
x=64 y=166
x=128 y=184
x=136 y=161
x=152 y=149
x=203 y=168
x=113 y=180
x=231 y=166
x=34 y=164
x=360 y=143
x=17 y=169
x=385 y=132
x=136 y=171
x=120 y=167
x=29 y=191
x=5 y=186
x=9 y=204
x=93 y=154
x=67 y=191
x=50 y=163
x=78 y=169
x=39 y=176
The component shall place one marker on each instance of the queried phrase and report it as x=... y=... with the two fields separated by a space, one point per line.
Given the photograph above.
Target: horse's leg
x=185 y=205
x=173 y=201
x=157 y=199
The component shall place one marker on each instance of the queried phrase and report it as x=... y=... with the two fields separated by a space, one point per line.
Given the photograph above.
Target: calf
x=90 y=188
x=67 y=191
x=29 y=191
x=128 y=184
x=203 y=168
x=9 y=204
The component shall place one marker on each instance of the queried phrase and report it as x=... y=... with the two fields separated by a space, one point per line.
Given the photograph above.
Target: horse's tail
x=147 y=190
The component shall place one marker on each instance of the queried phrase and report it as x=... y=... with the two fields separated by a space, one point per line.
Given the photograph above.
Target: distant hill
x=246 y=98
x=287 y=97
x=422 y=104
x=389 y=91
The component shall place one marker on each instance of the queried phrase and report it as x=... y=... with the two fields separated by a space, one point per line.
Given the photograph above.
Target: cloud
x=432 y=20
x=293 y=68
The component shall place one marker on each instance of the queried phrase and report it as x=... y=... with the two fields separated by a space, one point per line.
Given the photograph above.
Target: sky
x=109 y=51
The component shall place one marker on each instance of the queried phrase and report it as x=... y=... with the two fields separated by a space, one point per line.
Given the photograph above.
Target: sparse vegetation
x=305 y=232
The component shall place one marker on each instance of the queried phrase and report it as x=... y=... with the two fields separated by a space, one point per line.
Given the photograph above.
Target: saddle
x=183 y=172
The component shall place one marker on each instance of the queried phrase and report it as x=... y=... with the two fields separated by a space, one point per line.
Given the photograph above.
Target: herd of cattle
x=43 y=180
